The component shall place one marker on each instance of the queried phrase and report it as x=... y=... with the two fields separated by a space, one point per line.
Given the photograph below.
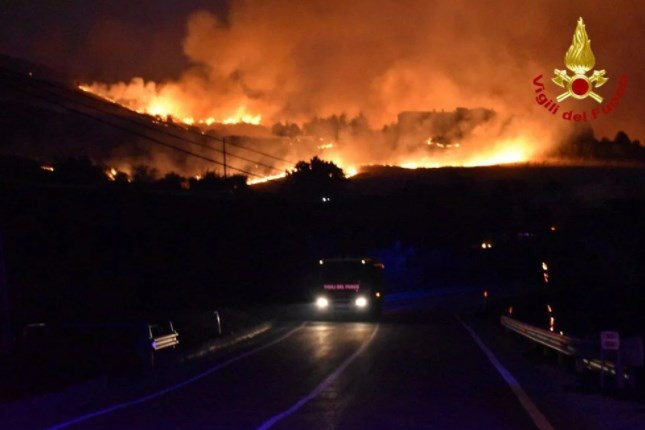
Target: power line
x=237 y=145
x=147 y=126
x=143 y=136
x=95 y=98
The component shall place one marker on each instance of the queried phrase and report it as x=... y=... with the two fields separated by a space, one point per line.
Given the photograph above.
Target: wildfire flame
x=150 y=98
x=512 y=151
x=254 y=181
x=268 y=63
x=243 y=116
x=579 y=58
x=346 y=152
x=111 y=174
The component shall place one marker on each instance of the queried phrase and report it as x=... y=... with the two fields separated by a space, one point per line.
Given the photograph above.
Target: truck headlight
x=322 y=302
x=361 y=302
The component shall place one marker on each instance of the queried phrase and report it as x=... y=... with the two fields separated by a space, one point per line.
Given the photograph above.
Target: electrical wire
x=148 y=126
x=135 y=133
x=95 y=98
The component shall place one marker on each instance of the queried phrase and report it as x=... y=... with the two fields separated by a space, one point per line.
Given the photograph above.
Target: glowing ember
x=351 y=171
x=111 y=174
x=254 y=181
x=47 y=168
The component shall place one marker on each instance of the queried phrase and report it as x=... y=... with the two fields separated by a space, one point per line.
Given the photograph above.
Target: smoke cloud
x=289 y=62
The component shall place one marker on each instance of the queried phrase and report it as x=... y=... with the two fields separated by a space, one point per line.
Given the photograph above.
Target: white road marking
x=319 y=389
x=167 y=390
x=538 y=418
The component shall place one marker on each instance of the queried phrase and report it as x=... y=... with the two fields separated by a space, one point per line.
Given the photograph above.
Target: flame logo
x=579 y=58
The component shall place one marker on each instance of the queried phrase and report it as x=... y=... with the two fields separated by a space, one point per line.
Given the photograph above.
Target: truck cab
x=352 y=286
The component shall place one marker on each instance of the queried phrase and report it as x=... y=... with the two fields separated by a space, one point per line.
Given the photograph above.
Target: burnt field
x=78 y=253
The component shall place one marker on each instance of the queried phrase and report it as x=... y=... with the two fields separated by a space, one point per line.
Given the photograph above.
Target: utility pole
x=224 y=153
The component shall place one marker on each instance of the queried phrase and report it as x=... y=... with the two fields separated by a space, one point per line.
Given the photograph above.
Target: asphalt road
x=418 y=368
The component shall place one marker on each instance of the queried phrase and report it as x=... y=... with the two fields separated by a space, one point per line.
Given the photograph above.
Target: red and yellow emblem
x=580 y=59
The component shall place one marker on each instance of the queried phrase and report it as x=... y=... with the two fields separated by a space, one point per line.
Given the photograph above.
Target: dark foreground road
x=417 y=368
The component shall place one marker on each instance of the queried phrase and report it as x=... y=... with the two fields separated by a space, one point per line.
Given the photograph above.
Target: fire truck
x=351 y=286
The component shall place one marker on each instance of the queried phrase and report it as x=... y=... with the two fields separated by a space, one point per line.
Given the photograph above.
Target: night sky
x=101 y=39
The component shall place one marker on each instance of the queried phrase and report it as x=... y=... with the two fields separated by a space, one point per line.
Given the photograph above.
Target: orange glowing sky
x=262 y=62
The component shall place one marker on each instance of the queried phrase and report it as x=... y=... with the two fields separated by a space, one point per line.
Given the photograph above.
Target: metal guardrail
x=141 y=337
x=586 y=352
x=603 y=366
x=564 y=344
x=169 y=340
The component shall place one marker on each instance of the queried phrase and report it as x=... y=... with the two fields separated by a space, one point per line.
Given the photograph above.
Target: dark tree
x=79 y=171
x=144 y=175
x=585 y=146
x=213 y=182
x=170 y=182
x=237 y=182
x=121 y=178
x=317 y=177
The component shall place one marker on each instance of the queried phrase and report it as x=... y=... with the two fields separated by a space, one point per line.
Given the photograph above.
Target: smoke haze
x=289 y=61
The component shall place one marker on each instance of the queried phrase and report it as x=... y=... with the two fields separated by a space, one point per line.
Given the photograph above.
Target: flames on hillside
x=464 y=137
x=291 y=79
x=358 y=83
x=146 y=99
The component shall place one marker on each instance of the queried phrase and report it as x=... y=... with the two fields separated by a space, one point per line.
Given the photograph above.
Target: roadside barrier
x=588 y=354
x=163 y=339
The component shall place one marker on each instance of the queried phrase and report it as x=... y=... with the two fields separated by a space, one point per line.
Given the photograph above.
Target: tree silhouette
x=170 y=182
x=213 y=182
x=584 y=145
x=79 y=171
x=317 y=177
x=144 y=175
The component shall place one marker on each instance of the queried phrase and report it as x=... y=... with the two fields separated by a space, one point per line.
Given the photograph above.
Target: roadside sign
x=609 y=340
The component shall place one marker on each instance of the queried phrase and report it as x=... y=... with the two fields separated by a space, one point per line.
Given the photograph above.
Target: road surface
x=418 y=368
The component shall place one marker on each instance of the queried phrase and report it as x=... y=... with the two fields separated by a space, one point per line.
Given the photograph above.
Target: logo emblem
x=580 y=59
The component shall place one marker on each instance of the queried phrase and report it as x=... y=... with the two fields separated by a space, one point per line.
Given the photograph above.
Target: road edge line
x=538 y=417
x=319 y=389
